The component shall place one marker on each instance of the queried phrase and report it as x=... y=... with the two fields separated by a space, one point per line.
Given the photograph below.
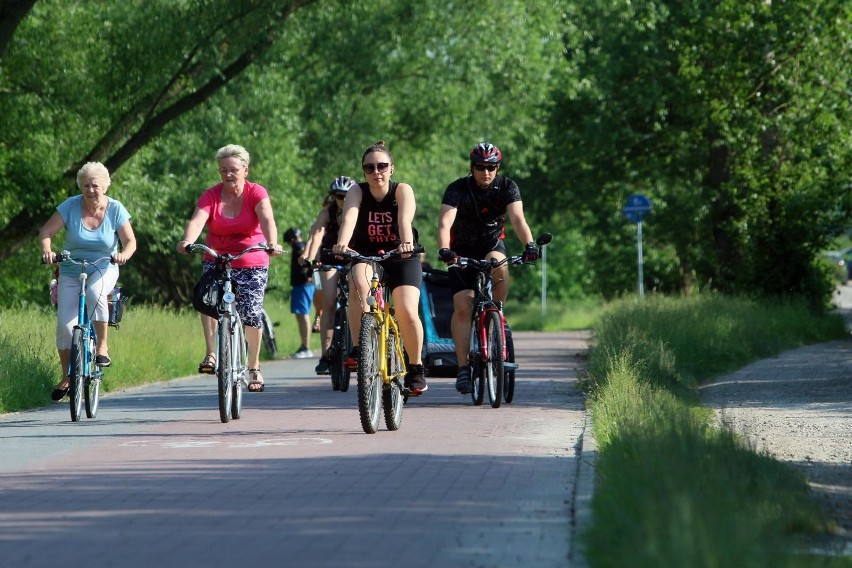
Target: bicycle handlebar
x=196 y=247
x=487 y=263
x=65 y=256
x=386 y=256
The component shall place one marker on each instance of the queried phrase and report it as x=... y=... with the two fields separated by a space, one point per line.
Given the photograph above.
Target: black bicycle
x=492 y=365
x=341 y=339
x=268 y=327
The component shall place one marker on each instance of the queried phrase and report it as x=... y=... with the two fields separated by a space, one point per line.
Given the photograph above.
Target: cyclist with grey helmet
x=323 y=236
x=471 y=224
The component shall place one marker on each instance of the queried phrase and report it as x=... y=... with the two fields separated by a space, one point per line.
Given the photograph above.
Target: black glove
x=530 y=253
x=448 y=256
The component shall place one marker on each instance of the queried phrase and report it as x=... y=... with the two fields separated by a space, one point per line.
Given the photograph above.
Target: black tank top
x=377 y=228
x=332 y=229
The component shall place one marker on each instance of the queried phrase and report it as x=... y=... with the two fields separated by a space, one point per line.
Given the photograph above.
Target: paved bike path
x=157 y=479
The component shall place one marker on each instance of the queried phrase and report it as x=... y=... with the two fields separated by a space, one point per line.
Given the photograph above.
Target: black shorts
x=402 y=272
x=465 y=278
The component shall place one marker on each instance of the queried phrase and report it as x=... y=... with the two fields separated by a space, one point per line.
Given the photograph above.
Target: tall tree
x=120 y=89
x=732 y=116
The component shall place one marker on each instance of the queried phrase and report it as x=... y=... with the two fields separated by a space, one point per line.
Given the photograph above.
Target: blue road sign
x=637 y=208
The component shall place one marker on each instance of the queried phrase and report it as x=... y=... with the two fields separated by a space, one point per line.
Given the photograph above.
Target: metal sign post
x=543 y=282
x=637 y=208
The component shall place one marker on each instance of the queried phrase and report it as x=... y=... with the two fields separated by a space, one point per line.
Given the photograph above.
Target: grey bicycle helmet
x=342 y=184
x=485 y=153
x=291 y=234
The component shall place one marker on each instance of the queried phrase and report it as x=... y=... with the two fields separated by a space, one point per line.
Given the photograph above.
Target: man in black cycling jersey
x=471 y=224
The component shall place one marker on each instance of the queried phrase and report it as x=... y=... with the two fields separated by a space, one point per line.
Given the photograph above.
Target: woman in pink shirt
x=237 y=214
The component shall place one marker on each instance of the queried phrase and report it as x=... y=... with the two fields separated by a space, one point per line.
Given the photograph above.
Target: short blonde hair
x=233 y=151
x=96 y=170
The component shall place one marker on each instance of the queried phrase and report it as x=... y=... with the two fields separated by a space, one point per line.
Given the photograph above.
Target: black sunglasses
x=483 y=167
x=340 y=196
x=381 y=167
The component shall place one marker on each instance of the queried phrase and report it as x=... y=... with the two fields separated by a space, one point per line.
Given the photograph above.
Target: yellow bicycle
x=381 y=364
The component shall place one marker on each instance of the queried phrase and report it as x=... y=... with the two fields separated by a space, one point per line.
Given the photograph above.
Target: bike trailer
x=436 y=312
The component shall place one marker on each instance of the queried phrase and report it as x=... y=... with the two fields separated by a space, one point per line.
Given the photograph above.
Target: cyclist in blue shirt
x=94 y=226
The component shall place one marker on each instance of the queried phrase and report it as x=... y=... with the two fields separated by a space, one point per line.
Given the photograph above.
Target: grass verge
x=672 y=489
x=155 y=344
x=152 y=344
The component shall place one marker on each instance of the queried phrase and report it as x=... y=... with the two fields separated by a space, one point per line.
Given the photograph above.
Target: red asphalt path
x=157 y=480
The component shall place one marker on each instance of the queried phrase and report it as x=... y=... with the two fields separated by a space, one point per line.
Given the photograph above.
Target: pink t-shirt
x=233 y=235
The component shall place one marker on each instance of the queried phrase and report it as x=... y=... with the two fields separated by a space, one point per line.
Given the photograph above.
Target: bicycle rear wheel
x=92 y=395
x=76 y=377
x=369 y=377
x=477 y=376
x=392 y=398
x=509 y=374
x=92 y=384
x=346 y=347
x=224 y=370
x=238 y=348
x=493 y=367
x=269 y=341
x=338 y=350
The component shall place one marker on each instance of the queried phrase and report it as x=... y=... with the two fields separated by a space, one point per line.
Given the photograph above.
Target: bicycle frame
x=86 y=326
x=383 y=312
x=484 y=303
x=229 y=318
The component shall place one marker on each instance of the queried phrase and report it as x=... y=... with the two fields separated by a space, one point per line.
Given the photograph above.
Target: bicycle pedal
x=510 y=366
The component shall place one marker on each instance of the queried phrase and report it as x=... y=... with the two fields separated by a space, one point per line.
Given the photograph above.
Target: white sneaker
x=303 y=353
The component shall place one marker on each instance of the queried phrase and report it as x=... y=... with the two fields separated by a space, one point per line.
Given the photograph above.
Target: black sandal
x=208 y=365
x=256 y=381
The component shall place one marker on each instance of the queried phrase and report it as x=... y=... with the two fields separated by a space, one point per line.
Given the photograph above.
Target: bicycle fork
x=483 y=333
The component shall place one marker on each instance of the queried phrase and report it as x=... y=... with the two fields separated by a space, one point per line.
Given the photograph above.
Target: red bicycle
x=489 y=367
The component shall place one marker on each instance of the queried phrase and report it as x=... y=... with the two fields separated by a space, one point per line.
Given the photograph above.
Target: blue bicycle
x=84 y=373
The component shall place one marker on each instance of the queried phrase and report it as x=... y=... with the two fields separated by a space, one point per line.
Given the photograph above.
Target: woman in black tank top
x=378 y=216
x=323 y=236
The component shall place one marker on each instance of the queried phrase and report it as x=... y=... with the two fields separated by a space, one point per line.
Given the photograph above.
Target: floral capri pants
x=250 y=284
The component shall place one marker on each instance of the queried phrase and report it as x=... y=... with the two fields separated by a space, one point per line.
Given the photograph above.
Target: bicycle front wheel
x=369 y=375
x=392 y=398
x=269 y=340
x=493 y=367
x=224 y=371
x=238 y=348
x=76 y=374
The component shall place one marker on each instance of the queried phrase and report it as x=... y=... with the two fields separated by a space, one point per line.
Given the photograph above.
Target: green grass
x=673 y=490
x=151 y=345
x=154 y=344
x=563 y=316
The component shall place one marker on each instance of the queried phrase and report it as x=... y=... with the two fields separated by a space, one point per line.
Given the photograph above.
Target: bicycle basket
x=116 y=310
x=205 y=295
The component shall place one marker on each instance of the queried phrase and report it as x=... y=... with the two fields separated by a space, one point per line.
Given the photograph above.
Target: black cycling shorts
x=402 y=272
x=465 y=278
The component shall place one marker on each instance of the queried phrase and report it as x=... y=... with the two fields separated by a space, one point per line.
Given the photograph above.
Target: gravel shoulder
x=797 y=407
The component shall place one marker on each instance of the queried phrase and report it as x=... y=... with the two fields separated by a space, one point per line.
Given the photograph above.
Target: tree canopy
x=731 y=117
